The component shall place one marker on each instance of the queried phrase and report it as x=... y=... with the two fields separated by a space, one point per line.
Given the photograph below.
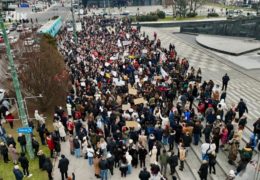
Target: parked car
x=2 y=39
x=27 y=30
x=12 y=39
x=28 y=42
x=19 y=28
x=12 y=27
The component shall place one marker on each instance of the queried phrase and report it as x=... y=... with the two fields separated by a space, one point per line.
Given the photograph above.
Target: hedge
x=148 y=17
x=161 y=14
x=191 y=14
x=213 y=15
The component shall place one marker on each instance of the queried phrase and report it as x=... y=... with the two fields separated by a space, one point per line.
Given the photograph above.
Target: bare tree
x=44 y=73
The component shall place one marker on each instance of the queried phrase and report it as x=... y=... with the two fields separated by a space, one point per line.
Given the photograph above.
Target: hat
x=232 y=173
x=218 y=117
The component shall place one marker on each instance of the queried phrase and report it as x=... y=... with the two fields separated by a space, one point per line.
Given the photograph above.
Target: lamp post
x=17 y=88
x=74 y=25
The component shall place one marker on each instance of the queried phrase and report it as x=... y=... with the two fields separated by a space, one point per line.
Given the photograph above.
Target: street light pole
x=74 y=25
x=17 y=88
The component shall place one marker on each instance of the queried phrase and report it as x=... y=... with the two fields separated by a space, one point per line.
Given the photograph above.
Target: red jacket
x=50 y=143
x=9 y=118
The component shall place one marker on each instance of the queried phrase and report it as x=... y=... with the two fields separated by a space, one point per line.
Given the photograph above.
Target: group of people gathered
x=132 y=101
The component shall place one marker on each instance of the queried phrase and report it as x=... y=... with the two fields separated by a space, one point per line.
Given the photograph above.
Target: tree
x=197 y=4
x=182 y=7
x=45 y=73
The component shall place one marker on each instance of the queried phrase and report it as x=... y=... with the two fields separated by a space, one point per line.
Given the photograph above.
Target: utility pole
x=74 y=25
x=17 y=89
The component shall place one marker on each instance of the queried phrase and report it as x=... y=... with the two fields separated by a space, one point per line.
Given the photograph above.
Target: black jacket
x=22 y=140
x=203 y=171
x=24 y=161
x=173 y=160
x=10 y=140
x=103 y=164
x=63 y=165
x=144 y=175
x=47 y=166
x=142 y=153
x=111 y=161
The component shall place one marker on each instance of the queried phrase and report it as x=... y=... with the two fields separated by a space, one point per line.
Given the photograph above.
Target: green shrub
x=213 y=15
x=161 y=14
x=192 y=14
x=148 y=17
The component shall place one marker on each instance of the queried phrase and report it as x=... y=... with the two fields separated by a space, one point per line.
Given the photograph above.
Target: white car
x=28 y=42
x=27 y=30
x=7 y=32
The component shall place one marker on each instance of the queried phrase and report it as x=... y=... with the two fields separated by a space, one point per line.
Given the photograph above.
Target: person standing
x=203 y=171
x=123 y=166
x=47 y=166
x=21 y=139
x=76 y=144
x=4 y=152
x=182 y=155
x=153 y=154
x=14 y=154
x=173 y=162
x=103 y=165
x=10 y=119
x=241 y=108
x=225 y=80
x=2 y=133
x=111 y=162
x=41 y=131
x=163 y=161
x=42 y=158
x=96 y=161
x=17 y=173
x=35 y=146
x=25 y=164
x=63 y=166
x=50 y=144
x=212 y=162
x=10 y=140
x=142 y=155
x=90 y=154
x=62 y=132
x=144 y=174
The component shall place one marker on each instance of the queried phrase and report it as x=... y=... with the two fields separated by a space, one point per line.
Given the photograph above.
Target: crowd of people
x=130 y=98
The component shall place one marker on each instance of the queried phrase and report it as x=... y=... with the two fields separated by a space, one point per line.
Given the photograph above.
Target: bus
x=52 y=27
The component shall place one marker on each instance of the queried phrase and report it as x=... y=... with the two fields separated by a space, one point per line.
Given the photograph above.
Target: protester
x=63 y=166
x=4 y=152
x=24 y=164
x=203 y=171
x=144 y=174
x=17 y=173
x=10 y=119
x=103 y=165
x=22 y=141
x=13 y=153
x=47 y=166
x=42 y=158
